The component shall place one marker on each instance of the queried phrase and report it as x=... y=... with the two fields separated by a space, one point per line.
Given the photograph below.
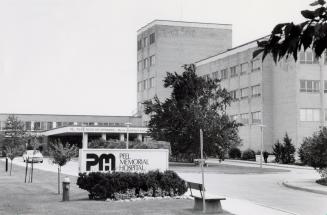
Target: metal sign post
x=202 y=171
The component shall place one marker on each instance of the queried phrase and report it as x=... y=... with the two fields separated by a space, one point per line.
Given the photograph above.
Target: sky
x=79 y=56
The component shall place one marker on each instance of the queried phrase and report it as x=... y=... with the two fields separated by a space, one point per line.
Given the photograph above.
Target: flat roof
x=94 y=129
x=184 y=24
x=73 y=115
x=231 y=51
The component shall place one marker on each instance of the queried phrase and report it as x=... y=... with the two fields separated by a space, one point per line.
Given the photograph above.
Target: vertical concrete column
x=104 y=136
x=85 y=140
x=139 y=137
x=32 y=125
x=122 y=137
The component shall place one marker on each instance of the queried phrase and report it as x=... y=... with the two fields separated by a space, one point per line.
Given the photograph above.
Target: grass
x=40 y=197
x=226 y=169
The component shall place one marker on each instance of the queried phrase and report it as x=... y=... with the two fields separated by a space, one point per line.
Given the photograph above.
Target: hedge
x=123 y=185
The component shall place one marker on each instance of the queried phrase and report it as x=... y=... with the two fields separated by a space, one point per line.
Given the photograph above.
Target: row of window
x=145 y=63
x=146 y=41
x=234 y=71
x=312 y=86
x=40 y=126
x=145 y=84
x=311 y=115
x=308 y=57
x=245 y=118
x=243 y=93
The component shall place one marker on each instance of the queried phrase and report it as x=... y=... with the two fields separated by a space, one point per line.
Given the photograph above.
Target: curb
x=272 y=164
x=322 y=192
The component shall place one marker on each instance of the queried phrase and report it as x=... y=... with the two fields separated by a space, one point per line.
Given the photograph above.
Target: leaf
x=319 y=2
x=257 y=52
x=278 y=29
x=308 y=14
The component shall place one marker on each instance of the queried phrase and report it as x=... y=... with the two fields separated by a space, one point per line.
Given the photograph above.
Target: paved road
x=262 y=189
x=267 y=190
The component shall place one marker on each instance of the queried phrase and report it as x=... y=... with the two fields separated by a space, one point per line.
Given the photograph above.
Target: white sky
x=79 y=56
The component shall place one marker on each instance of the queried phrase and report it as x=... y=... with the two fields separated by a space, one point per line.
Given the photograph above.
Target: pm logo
x=107 y=162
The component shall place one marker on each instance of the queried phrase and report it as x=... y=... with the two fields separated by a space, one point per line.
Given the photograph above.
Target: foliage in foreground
x=313 y=152
x=116 y=144
x=195 y=103
x=287 y=39
x=123 y=185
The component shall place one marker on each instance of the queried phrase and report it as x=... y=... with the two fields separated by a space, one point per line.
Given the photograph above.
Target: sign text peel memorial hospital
x=123 y=160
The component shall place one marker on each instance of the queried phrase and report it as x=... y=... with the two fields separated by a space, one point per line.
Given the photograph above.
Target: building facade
x=285 y=97
x=164 y=46
x=80 y=129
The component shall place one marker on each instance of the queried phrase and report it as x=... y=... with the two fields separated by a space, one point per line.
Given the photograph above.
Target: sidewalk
x=306 y=185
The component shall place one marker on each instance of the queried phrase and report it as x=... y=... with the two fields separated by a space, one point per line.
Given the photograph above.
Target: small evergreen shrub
x=234 y=153
x=284 y=152
x=123 y=185
x=248 y=155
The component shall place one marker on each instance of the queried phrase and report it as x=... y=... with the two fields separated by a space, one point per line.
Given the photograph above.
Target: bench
x=212 y=202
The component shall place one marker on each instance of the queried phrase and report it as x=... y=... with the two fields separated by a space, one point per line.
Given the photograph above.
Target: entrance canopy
x=95 y=129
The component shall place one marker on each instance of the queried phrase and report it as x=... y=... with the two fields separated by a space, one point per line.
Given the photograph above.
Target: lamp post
x=127 y=131
x=261 y=145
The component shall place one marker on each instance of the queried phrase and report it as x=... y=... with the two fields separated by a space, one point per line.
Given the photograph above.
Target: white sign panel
x=123 y=160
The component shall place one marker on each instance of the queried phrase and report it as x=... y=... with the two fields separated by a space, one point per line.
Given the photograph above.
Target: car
x=34 y=156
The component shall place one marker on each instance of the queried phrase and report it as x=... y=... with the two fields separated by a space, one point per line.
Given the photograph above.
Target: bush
x=123 y=185
x=248 y=155
x=116 y=144
x=234 y=153
x=284 y=152
x=313 y=152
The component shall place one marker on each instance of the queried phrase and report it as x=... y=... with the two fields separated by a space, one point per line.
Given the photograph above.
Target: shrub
x=284 y=152
x=248 y=155
x=234 y=153
x=313 y=152
x=123 y=185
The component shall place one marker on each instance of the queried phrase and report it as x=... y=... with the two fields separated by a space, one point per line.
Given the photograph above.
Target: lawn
x=40 y=197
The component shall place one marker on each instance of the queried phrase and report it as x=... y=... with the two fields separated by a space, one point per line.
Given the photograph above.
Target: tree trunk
x=59 y=170
x=10 y=166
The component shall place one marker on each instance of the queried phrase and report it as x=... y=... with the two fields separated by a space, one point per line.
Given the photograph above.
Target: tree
x=195 y=103
x=277 y=151
x=60 y=155
x=288 y=150
x=14 y=137
x=288 y=38
x=313 y=151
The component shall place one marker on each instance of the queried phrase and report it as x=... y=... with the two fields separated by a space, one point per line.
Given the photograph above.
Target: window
x=234 y=94
x=244 y=68
x=151 y=82
x=139 y=45
x=152 y=60
x=37 y=126
x=28 y=126
x=59 y=124
x=325 y=60
x=309 y=115
x=325 y=86
x=244 y=93
x=307 y=57
x=256 y=117
x=145 y=41
x=224 y=74
x=233 y=71
x=256 y=90
x=256 y=65
x=139 y=66
x=206 y=77
x=152 y=38
x=49 y=125
x=309 y=86
x=235 y=117
x=244 y=118
x=145 y=84
x=215 y=75
x=139 y=86
x=145 y=63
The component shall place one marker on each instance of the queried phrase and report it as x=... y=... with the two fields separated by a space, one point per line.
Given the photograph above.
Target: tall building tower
x=164 y=46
